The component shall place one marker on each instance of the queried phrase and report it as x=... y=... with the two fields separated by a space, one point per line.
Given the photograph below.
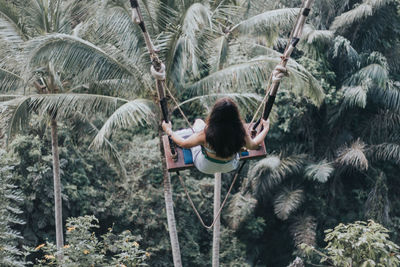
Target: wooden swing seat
x=179 y=164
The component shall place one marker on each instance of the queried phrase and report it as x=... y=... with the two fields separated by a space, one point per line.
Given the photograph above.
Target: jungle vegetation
x=79 y=132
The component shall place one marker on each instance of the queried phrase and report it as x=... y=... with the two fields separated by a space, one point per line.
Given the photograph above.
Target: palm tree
x=217 y=225
x=356 y=125
x=49 y=80
x=182 y=30
x=180 y=39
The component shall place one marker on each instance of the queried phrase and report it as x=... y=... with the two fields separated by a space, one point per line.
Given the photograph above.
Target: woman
x=216 y=142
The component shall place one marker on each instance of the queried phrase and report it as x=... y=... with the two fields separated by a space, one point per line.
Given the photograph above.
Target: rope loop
x=278 y=73
x=158 y=75
x=135 y=16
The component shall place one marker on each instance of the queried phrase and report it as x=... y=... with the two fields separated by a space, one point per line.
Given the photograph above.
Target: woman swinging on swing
x=216 y=143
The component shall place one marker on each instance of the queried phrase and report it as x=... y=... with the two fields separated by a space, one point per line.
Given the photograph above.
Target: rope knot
x=158 y=75
x=278 y=73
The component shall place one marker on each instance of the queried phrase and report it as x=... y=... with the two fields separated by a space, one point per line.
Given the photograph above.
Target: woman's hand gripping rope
x=265 y=124
x=167 y=127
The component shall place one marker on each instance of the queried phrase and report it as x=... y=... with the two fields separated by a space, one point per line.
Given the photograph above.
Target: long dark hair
x=225 y=133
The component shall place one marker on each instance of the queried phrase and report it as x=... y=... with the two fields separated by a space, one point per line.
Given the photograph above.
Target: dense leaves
x=334 y=144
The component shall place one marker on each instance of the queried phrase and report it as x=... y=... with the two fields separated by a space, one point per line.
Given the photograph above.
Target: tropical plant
x=10 y=200
x=83 y=247
x=357 y=244
x=348 y=146
x=48 y=76
x=181 y=48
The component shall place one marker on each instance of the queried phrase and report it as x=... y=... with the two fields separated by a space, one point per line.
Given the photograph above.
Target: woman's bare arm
x=253 y=144
x=192 y=141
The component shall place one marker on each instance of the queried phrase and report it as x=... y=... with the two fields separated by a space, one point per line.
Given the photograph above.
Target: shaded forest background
x=333 y=148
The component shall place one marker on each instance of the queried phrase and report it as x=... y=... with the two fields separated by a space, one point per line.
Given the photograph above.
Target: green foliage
x=10 y=201
x=358 y=244
x=319 y=172
x=336 y=161
x=84 y=248
x=83 y=191
x=233 y=251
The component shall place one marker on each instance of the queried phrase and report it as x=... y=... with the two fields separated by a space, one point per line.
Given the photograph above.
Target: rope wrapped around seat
x=158 y=75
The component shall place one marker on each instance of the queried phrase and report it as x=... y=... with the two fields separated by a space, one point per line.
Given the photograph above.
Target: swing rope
x=223 y=202
x=180 y=110
x=158 y=71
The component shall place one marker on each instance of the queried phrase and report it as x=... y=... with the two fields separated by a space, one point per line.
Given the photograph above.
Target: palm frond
x=319 y=172
x=388 y=97
x=312 y=36
x=347 y=19
x=61 y=106
x=9 y=81
x=10 y=30
x=378 y=58
x=255 y=73
x=342 y=49
x=240 y=207
x=268 y=21
x=41 y=17
x=132 y=113
x=4 y=98
x=374 y=72
x=218 y=51
x=263 y=168
x=353 y=156
x=255 y=50
x=315 y=41
x=224 y=12
x=385 y=152
x=35 y=16
x=196 y=19
x=303 y=230
x=287 y=201
x=271 y=171
x=355 y=96
x=247 y=102
x=239 y=76
x=81 y=59
x=14 y=116
x=379 y=3
x=361 y=11
x=112 y=24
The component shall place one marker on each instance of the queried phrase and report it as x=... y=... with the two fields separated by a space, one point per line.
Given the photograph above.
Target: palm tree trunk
x=57 y=186
x=169 y=206
x=217 y=225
